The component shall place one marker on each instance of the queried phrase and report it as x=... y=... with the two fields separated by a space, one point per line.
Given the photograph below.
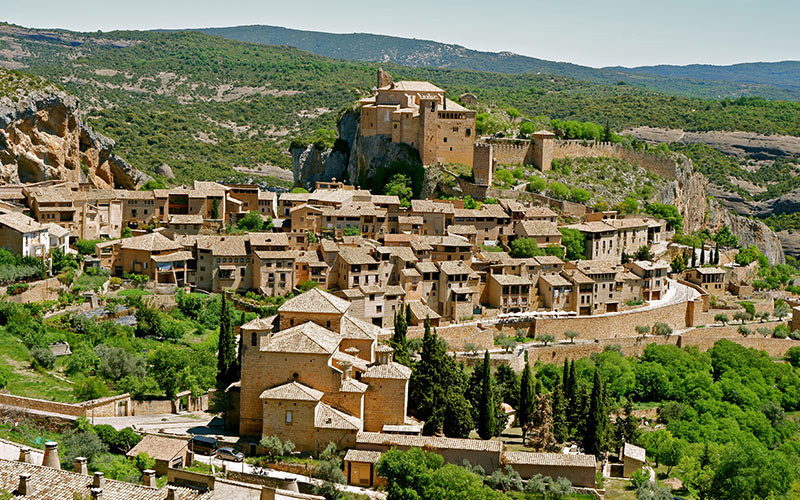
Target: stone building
x=22 y=235
x=315 y=374
x=419 y=114
x=712 y=279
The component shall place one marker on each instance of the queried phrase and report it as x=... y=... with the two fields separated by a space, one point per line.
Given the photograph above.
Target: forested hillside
x=206 y=105
x=769 y=80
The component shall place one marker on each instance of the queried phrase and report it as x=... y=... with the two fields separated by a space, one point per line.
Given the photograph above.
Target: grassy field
x=26 y=381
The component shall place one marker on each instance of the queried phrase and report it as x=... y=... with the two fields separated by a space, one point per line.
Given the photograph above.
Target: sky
x=588 y=32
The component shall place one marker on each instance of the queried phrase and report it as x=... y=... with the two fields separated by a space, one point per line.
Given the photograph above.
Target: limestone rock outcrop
x=42 y=137
x=165 y=171
x=689 y=193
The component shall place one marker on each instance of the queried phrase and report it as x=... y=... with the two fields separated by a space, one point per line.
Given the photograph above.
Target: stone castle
x=418 y=114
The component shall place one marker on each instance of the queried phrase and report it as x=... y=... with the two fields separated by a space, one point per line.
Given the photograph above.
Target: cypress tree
x=487 y=419
x=694 y=256
x=702 y=253
x=560 y=427
x=526 y=400
x=408 y=314
x=399 y=341
x=595 y=436
x=630 y=424
x=716 y=254
x=226 y=348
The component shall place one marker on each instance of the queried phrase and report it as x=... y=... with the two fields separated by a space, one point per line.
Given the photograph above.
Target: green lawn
x=23 y=379
x=87 y=282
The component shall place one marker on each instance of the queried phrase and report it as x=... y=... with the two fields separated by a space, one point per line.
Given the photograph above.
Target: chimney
x=51 y=455
x=25 y=486
x=267 y=493
x=99 y=480
x=25 y=455
x=290 y=484
x=96 y=493
x=172 y=493
x=80 y=465
x=149 y=478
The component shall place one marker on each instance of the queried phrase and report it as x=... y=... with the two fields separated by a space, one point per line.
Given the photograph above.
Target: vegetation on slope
x=206 y=105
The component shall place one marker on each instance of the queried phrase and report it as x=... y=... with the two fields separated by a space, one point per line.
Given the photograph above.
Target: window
x=469 y=132
x=289 y=417
x=241 y=272
x=445 y=139
x=254 y=338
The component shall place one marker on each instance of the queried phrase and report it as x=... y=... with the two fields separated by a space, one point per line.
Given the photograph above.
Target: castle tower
x=543 y=149
x=428 y=129
x=482 y=163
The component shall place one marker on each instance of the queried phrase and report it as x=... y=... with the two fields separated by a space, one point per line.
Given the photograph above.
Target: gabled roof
x=150 y=242
x=260 y=324
x=389 y=371
x=356 y=256
x=550 y=459
x=362 y=456
x=536 y=228
x=353 y=385
x=354 y=361
x=315 y=301
x=634 y=452
x=412 y=86
x=20 y=222
x=428 y=442
x=421 y=311
x=293 y=391
x=56 y=230
x=358 y=329
x=451 y=267
x=327 y=417
x=159 y=447
x=306 y=338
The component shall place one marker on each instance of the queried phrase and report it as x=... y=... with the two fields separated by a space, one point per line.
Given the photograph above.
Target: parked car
x=203 y=445
x=228 y=453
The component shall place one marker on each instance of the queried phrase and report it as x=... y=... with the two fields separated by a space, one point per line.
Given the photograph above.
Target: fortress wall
x=663 y=166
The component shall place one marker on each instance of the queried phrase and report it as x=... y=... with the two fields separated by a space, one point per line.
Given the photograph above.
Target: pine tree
x=526 y=400
x=595 y=436
x=399 y=341
x=560 y=426
x=487 y=419
x=630 y=425
x=507 y=385
x=694 y=257
x=226 y=349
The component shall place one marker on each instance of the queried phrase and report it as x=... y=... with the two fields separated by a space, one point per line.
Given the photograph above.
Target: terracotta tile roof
x=269 y=239
x=230 y=246
x=548 y=259
x=427 y=267
x=593 y=227
x=389 y=370
x=461 y=229
x=428 y=442
x=413 y=86
x=356 y=256
x=385 y=199
x=634 y=452
x=451 y=267
x=421 y=311
x=55 y=484
x=539 y=212
x=701 y=270
x=353 y=385
x=410 y=272
x=261 y=324
x=358 y=329
x=186 y=219
x=555 y=280
x=327 y=417
x=510 y=279
x=384 y=348
x=20 y=222
x=150 y=242
x=392 y=290
x=172 y=257
x=315 y=300
x=159 y=447
x=511 y=205
x=536 y=228
x=578 y=277
x=406 y=254
x=275 y=255
x=362 y=456
x=306 y=338
x=56 y=230
x=410 y=219
x=427 y=206
x=451 y=241
x=628 y=223
x=551 y=459
x=354 y=361
x=590 y=267
x=293 y=391
x=329 y=245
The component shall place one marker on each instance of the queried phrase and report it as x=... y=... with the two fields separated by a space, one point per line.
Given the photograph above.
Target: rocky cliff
x=689 y=193
x=353 y=158
x=42 y=136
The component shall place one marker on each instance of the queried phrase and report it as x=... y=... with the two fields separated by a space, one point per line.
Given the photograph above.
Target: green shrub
x=43 y=357
x=557 y=190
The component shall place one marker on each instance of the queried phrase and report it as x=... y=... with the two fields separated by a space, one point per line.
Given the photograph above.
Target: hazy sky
x=590 y=32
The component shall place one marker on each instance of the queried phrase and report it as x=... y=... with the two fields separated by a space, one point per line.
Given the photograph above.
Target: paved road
x=247 y=468
x=184 y=423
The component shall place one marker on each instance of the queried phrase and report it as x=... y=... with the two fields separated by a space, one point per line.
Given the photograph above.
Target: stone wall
x=38 y=291
x=612 y=325
x=152 y=407
x=661 y=165
x=104 y=407
x=458 y=336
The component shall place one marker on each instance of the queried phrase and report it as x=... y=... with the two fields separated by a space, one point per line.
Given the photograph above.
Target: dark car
x=228 y=453
x=203 y=445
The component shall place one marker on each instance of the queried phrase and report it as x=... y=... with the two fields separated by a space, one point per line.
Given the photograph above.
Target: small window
x=254 y=338
x=289 y=417
x=445 y=139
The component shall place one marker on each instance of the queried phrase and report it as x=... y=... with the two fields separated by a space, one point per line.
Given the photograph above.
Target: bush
x=17 y=288
x=557 y=190
x=274 y=447
x=639 y=477
x=86 y=247
x=536 y=184
x=90 y=388
x=43 y=357
x=579 y=195
x=252 y=221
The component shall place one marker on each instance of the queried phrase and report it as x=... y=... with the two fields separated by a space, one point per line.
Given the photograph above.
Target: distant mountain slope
x=768 y=80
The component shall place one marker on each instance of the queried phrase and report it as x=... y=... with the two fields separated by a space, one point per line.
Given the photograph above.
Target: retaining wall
x=38 y=291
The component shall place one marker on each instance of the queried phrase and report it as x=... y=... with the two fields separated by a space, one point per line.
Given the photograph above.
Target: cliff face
x=354 y=159
x=689 y=193
x=42 y=136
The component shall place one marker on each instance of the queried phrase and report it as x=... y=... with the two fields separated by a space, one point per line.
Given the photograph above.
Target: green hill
x=206 y=105
x=769 y=80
